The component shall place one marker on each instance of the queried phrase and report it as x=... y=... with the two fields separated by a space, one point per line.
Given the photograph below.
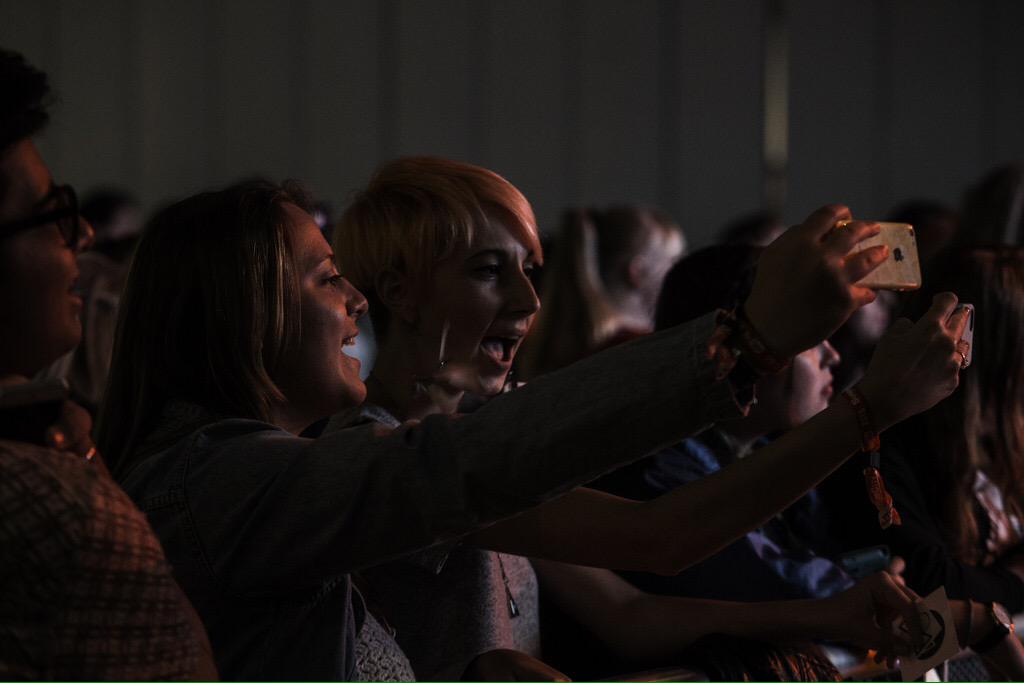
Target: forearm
x=973 y=625
x=746 y=494
x=662 y=625
x=447 y=477
x=696 y=520
x=648 y=628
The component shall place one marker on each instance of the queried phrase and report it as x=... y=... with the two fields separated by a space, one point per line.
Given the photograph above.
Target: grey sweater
x=263 y=527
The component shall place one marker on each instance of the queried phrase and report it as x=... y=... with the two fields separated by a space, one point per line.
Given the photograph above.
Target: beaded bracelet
x=871 y=444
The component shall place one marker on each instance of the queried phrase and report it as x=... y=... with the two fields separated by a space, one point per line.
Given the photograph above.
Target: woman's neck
x=401 y=387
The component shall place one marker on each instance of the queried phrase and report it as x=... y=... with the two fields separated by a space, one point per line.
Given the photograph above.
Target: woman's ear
x=395 y=291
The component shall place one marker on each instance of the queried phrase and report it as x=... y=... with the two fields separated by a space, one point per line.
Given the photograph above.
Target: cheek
x=468 y=319
x=807 y=397
x=321 y=331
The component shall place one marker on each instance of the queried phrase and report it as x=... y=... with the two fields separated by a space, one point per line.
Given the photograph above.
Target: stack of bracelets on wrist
x=735 y=339
x=872 y=445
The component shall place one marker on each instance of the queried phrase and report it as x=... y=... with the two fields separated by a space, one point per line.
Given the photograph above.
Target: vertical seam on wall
x=988 y=33
x=52 y=41
x=669 y=111
x=301 y=91
x=774 y=104
x=479 y=90
x=883 y=112
x=387 y=79
x=214 y=81
x=131 y=105
x=572 y=94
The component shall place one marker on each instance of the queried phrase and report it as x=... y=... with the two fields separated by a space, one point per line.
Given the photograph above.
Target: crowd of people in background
x=583 y=456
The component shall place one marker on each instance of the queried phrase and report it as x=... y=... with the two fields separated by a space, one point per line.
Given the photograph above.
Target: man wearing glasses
x=85 y=591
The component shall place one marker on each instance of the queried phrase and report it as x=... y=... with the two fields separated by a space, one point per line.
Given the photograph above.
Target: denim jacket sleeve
x=271 y=511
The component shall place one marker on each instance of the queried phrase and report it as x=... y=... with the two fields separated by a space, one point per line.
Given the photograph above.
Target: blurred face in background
x=664 y=251
x=794 y=396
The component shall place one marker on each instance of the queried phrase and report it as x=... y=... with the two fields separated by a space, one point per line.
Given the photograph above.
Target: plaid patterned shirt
x=85 y=591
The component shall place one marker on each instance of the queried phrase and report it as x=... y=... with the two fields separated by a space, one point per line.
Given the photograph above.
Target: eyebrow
x=500 y=253
x=325 y=257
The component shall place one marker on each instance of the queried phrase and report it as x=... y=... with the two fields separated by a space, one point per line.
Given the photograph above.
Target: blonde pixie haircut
x=417 y=211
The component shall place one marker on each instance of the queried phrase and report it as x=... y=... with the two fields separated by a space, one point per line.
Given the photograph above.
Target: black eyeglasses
x=65 y=215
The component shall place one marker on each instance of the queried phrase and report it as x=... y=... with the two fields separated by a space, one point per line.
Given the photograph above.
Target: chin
x=355 y=393
x=67 y=341
x=492 y=385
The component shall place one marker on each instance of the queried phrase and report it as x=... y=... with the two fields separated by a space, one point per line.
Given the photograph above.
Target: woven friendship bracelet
x=869 y=439
x=735 y=339
x=754 y=350
x=871 y=444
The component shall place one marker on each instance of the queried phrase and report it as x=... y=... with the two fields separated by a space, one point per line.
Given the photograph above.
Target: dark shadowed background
x=654 y=101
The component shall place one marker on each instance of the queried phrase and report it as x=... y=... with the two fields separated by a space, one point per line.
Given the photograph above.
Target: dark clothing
x=85 y=591
x=774 y=562
x=919 y=540
x=263 y=527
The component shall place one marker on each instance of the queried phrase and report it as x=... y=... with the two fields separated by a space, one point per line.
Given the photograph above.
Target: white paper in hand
x=940 y=641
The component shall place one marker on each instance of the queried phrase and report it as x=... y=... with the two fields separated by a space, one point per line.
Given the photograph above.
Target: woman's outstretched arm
x=915 y=367
x=647 y=629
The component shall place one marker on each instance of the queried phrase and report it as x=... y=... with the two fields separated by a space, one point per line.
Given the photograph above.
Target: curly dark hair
x=25 y=96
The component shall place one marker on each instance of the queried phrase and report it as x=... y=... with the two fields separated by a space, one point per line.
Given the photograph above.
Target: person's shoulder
x=185 y=450
x=37 y=476
x=55 y=504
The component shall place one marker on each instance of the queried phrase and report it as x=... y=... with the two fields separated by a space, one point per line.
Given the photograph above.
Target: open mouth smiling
x=500 y=349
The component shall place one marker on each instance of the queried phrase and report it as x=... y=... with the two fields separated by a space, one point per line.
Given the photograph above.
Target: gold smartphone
x=902 y=270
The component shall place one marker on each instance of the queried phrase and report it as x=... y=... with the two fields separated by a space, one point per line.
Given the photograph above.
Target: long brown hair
x=981 y=426
x=210 y=305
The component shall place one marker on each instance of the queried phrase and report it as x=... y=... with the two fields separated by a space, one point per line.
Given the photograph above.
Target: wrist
x=876 y=398
x=756 y=350
x=995 y=627
x=776 y=340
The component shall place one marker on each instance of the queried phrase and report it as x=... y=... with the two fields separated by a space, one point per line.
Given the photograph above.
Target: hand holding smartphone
x=901 y=271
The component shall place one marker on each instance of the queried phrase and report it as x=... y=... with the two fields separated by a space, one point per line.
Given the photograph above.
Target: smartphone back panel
x=901 y=271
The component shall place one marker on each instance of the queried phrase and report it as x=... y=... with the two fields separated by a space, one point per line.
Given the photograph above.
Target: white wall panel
x=180 y=145
x=341 y=104
x=719 y=96
x=617 y=114
x=834 y=107
x=527 y=113
x=443 y=54
x=257 y=135
x=654 y=101
x=936 y=141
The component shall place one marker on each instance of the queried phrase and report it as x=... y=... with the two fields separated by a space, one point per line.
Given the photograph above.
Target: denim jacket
x=263 y=527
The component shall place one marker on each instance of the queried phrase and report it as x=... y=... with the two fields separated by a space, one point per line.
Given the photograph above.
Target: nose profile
x=523 y=299
x=355 y=303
